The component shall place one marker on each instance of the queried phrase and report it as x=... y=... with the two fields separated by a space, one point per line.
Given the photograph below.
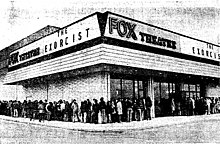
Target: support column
x=203 y=89
x=105 y=86
x=150 y=92
x=107 y=75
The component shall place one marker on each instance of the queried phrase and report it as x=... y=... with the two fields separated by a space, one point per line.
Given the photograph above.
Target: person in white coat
x=119 y=110
x=208 y=103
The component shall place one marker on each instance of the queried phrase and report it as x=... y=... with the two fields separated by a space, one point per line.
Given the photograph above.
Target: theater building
x=113 y=56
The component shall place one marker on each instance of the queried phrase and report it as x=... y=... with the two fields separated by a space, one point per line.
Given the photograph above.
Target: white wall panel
x=83 y=58
x=55 y=90
x=135 y=58
x=79 y=88
x=36 y=92
x=113 y=55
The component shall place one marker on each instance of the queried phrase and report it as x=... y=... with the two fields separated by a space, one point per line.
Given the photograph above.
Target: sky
x=195 y=18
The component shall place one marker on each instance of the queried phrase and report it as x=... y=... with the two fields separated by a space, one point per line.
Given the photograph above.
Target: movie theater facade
x=112 y=56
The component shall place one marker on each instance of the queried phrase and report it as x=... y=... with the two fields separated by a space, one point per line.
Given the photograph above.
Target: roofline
x=54 y=31
x=31 y=34
x=108 y=12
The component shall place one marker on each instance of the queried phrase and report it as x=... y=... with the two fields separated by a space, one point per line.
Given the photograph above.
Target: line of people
x=116 y=110
x=187 y=106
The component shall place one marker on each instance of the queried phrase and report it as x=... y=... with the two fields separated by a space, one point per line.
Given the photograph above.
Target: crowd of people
x=187 y=106
x=116 y=110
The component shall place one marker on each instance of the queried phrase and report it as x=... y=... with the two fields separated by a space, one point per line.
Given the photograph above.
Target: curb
x=117 y=127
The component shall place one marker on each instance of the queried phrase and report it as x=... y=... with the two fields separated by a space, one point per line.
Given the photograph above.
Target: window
x=115 y=87
x=163 y=91
x=191 y=90
x=125 y=88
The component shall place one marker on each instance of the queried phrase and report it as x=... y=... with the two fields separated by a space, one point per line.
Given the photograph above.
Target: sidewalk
x=117 y=127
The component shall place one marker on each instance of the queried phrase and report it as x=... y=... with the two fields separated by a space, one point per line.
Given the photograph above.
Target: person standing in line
x=109 y=112
x=10 y=107
x=58 y=111
x=55 y=110
x=196 y=106
x=217 y=107
x=200 y=106
x=19 y=109
x=212 y=105
x=208 y=103
x=129 y=109
x=114 y=111
x=66 y=111
x=148 y=104
x=178 y=108
x=124 y=116
x=192 y=103
x=49 y=110
x=119 y=110
x=41 y=109
x=102 y=107
x=62 y=109
x=30 y=110
x=83 y=111
x=95 y=111
x=88 y=111
x=45 y=103
x=70 y=113
x=173 y=107
x=24 y=109
x=141 y=104
x=136 y=110
x=75 y=109
x=16 y=106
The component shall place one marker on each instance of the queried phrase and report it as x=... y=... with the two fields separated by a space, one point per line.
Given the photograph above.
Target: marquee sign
x=137 y=32
x=117 y=27
x=128 y=30
x=79 y=32
x=199 y=49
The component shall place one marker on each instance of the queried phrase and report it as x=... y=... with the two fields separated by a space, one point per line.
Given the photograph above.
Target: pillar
x=150 y=92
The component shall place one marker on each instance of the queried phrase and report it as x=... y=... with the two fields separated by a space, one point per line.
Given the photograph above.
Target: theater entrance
x=169 y=95
x=128 y=87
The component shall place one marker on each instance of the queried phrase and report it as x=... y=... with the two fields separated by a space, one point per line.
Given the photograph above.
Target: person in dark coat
x=95 y=111
x=16 y=107
x=35 y=109
x=66 y=111
x=109 y=111
x=124 y=109
x=102 y=106
x=148 y=104
x=24 y=109
x=30 y=109
x=55 y=110
x=88 y=111
x=129 y=107
x=114 y=111
x=136 y=110
x=83 y=110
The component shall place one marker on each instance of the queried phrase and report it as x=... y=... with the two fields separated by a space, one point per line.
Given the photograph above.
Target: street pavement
x=178 y=129
x=117 y=127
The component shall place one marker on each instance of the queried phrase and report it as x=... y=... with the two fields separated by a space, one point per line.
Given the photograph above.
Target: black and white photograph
x=109 y=72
